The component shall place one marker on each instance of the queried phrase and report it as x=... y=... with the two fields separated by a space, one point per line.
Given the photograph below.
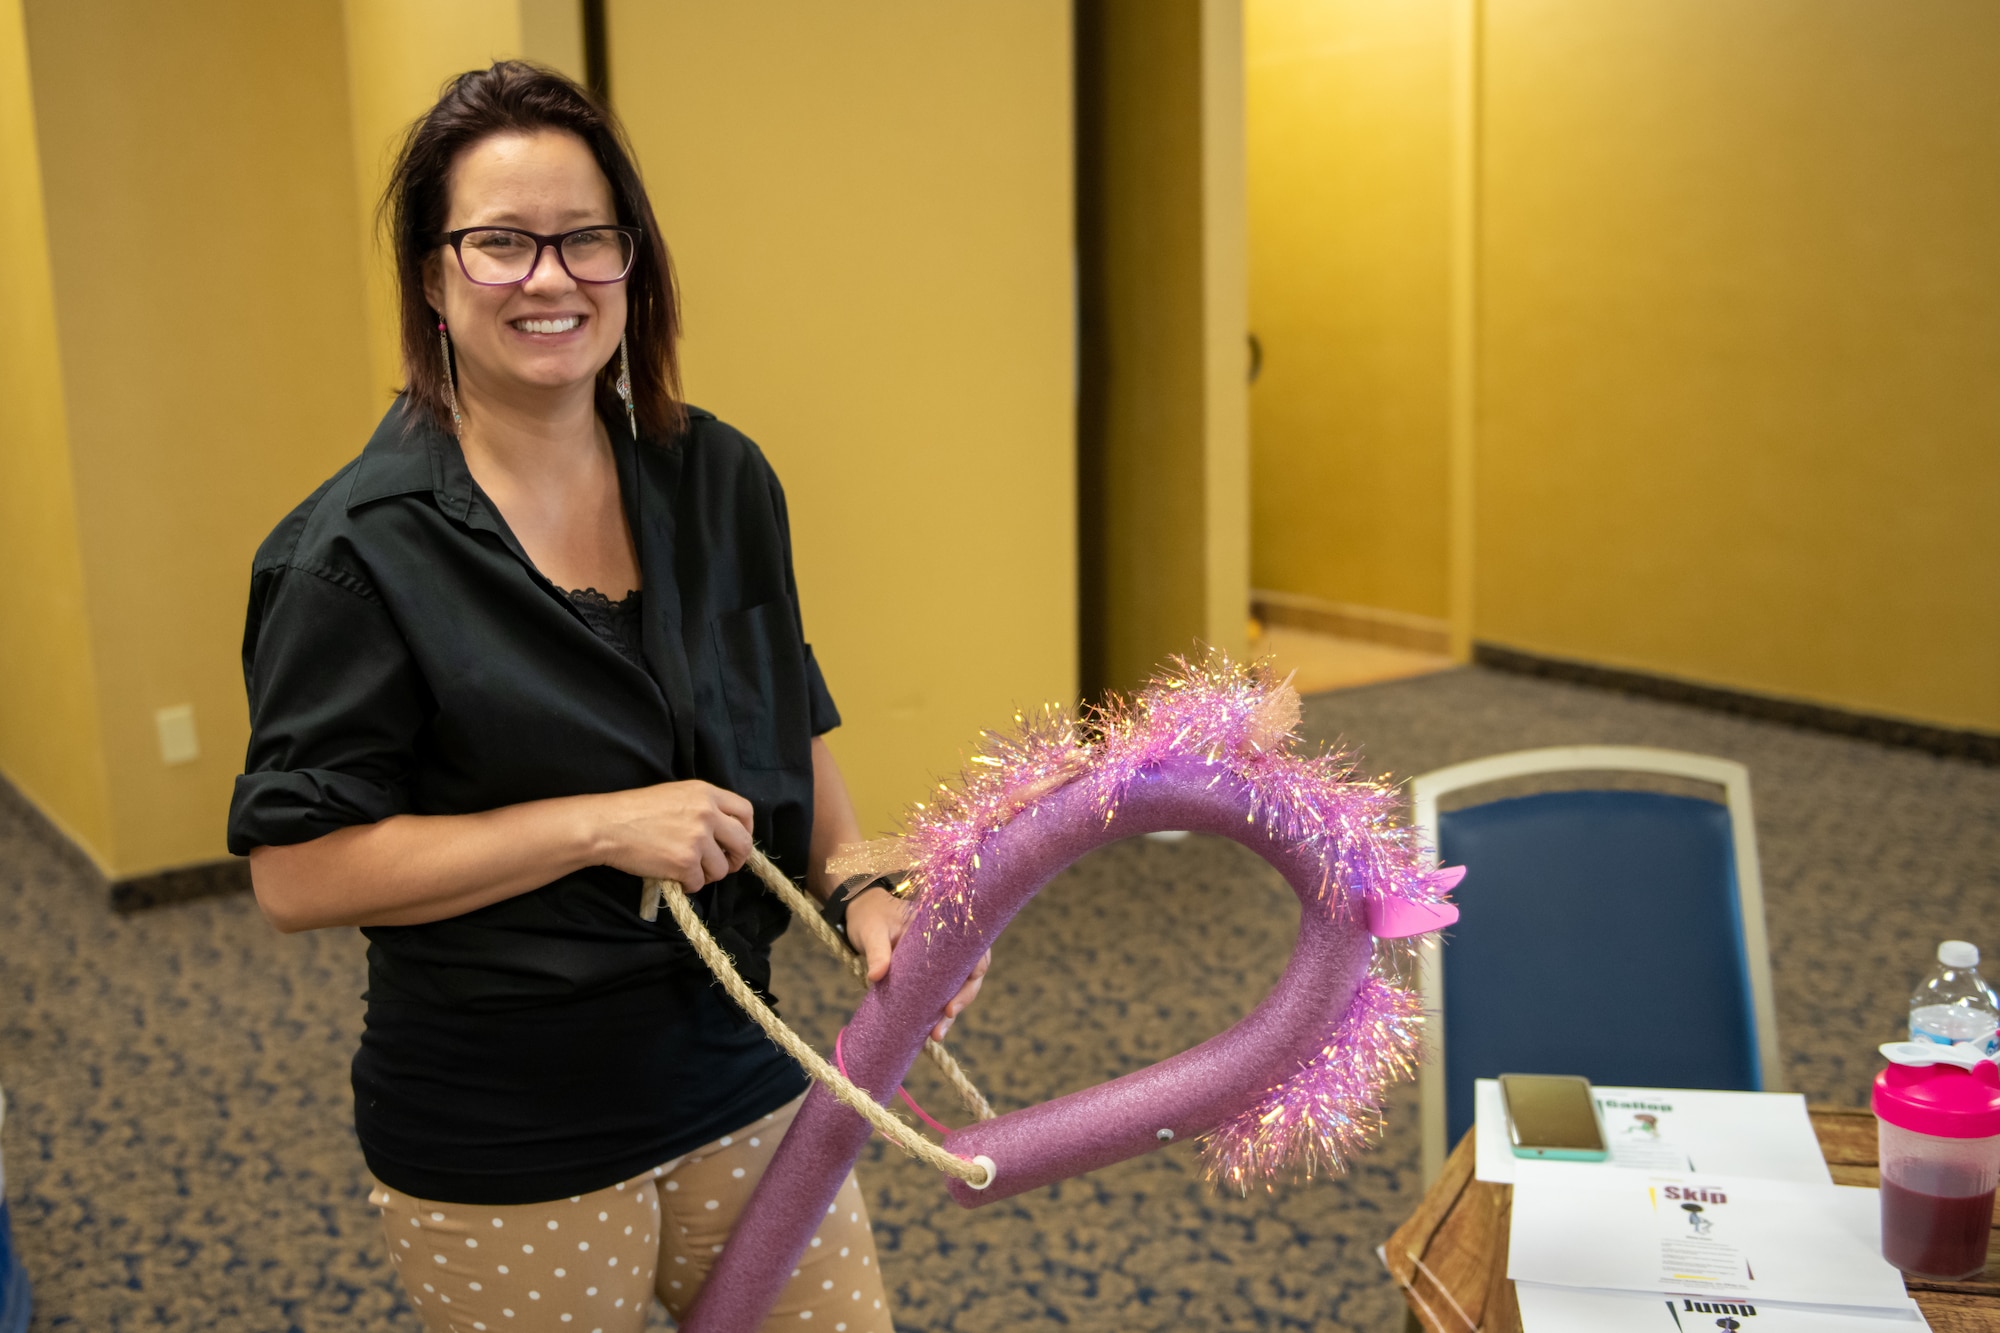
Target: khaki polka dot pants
x=593 y=1263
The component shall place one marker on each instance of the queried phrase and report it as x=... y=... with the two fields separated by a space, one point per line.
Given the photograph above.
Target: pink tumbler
x=1940 y=1154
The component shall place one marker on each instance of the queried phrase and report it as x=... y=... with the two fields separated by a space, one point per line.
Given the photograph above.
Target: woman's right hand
x=689 y=832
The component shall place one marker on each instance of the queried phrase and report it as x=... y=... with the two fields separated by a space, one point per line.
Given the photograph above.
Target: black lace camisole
x=617 y=623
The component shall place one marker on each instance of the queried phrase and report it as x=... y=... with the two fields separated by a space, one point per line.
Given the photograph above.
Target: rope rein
x=977 y=1174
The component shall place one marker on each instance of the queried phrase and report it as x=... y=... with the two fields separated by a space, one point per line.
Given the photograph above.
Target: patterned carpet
x=180 y=1154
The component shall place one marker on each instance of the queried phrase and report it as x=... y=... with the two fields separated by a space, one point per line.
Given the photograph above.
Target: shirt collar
x=407 y=454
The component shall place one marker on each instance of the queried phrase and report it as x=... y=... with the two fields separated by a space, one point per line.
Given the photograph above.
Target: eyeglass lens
x=499 y=257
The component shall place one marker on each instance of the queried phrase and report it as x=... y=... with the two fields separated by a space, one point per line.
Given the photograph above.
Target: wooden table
x=1451 y=1256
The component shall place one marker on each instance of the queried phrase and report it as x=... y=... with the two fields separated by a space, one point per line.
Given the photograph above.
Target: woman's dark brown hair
x=513 y=97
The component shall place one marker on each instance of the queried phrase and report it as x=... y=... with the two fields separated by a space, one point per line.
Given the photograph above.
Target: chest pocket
x=764 y=684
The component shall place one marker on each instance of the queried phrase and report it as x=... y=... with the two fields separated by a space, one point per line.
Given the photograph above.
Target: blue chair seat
x=1599 y=935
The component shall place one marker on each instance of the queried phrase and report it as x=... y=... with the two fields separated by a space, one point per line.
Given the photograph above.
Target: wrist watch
x=834 y=909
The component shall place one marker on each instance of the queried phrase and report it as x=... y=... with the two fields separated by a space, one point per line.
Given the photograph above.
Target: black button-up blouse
x=403 y=655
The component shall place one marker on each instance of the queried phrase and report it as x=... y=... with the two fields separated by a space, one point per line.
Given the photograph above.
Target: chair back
x=1615 y=934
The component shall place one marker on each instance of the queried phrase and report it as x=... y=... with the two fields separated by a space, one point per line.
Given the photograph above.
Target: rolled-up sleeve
x=336 y=704
x=825 y=717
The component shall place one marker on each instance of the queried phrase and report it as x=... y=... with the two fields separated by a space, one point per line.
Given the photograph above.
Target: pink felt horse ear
x=1399 y=919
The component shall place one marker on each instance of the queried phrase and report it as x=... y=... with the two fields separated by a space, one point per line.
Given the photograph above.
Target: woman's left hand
x=875 y=921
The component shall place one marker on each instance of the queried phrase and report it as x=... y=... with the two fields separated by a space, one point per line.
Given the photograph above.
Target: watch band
x=837 y=902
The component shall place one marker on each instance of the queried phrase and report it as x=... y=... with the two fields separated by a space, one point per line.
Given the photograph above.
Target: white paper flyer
x=1761 y=1134
x=1546 y=1309
x=1731 y=1237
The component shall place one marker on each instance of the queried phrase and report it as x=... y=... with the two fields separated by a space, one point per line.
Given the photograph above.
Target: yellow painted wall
x=207 y=170
x=50 y=745
x=202 y=220
x=1349 y=147
x=1165 y=505
x=1740 y=323
x=552 y=35
x=870 y=212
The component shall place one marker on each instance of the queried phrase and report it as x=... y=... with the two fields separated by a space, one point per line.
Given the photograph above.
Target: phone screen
x=1551 y=1112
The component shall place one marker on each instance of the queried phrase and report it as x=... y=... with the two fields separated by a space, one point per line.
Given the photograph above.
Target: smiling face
x=550 y=335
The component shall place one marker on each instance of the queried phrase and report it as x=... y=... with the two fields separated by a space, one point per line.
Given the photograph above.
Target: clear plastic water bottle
x=1955 y=1004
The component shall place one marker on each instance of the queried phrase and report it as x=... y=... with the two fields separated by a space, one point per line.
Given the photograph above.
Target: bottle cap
x=1943 y=1101
x=1957 y=953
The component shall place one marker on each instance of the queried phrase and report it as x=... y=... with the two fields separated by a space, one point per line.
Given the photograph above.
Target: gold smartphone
x=1553 y=1116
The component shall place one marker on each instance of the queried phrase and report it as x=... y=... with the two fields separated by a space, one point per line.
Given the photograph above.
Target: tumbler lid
x=1944 y=1101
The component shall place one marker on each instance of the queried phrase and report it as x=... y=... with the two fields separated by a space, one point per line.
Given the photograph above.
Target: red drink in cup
x=1940 y=1154
x=1940 y=1235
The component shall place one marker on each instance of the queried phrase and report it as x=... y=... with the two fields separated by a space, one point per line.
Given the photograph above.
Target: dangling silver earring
x=450 y=389
x=624 y=385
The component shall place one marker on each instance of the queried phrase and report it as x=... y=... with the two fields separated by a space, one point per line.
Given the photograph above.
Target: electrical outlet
x=177 y=739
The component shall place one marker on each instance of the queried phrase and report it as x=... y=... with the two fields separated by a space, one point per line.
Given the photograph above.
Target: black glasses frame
x=555 y=242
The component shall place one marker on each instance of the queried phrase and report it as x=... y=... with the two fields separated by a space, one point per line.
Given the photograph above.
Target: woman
x=540 y=639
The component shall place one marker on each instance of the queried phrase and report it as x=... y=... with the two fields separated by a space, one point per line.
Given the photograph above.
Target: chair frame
x=1732 y=777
